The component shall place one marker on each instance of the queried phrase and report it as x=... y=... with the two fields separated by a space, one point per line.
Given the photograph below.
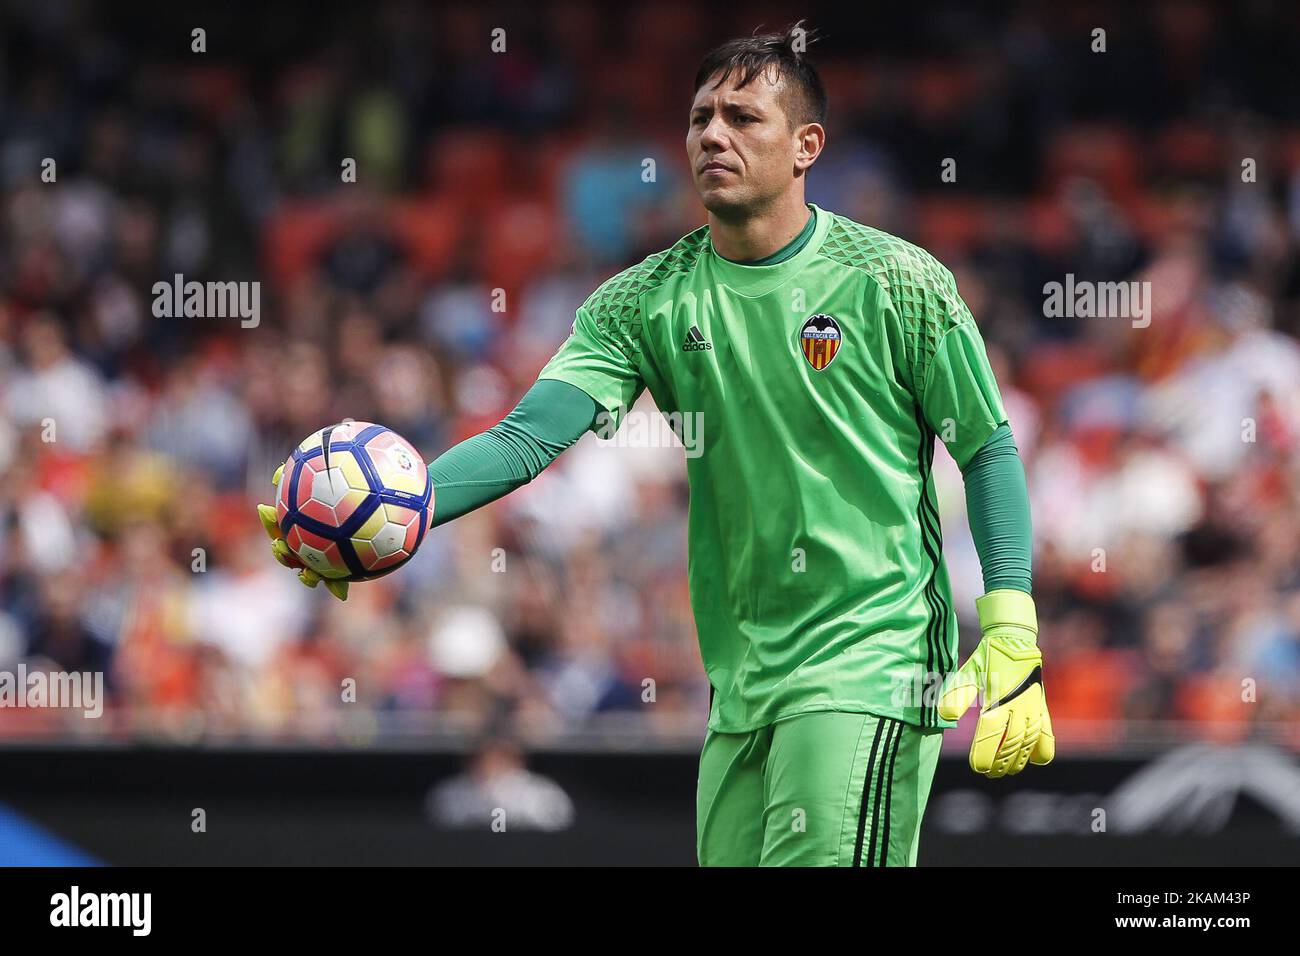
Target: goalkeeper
x=825 y=356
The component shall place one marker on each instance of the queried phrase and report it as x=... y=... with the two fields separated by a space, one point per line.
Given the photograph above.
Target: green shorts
x=823 y=789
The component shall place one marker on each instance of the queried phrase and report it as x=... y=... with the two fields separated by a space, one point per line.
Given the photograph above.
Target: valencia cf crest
x=820 y=340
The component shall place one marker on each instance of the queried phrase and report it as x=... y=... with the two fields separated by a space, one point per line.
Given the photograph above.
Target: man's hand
x=280 y=549
x=1006 y=671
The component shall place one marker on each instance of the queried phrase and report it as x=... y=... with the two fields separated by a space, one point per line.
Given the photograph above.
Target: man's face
x=742 y=147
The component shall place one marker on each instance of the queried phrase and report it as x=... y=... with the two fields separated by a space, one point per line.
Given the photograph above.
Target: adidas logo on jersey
x=695 y=341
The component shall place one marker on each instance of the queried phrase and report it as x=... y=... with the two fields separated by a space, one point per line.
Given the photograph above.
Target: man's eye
x=746 y=119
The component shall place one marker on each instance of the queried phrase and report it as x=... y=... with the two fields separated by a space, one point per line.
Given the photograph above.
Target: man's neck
x=760 y=235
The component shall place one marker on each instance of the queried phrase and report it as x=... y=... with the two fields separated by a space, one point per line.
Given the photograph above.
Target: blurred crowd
x=492 y=192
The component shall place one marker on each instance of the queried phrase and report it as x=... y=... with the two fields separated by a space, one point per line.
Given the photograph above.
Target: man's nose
x=714 y=134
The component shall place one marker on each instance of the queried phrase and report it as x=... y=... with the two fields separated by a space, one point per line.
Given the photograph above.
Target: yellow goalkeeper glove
x=280 y=548
x=1006 y=670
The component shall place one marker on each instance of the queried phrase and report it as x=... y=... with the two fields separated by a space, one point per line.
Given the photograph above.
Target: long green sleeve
x=550 y=417
x=997 y=505
x=553 y=415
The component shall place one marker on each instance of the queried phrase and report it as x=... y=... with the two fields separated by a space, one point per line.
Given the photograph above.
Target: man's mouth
x=715 y=168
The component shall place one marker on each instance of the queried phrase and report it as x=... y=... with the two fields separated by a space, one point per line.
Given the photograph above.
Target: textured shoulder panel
x=616 y=305
x=922 y=290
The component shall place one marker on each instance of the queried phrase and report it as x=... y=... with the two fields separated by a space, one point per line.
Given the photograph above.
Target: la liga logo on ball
x=354 y=501
x=820 y=340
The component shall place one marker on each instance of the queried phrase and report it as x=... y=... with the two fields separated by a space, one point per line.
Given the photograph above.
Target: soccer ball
x=354 y=501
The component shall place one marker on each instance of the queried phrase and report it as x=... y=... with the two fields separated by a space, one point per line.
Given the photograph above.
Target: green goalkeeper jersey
x=819 y=384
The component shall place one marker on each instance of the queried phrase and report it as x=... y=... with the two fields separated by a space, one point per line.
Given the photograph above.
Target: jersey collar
x=756 y=280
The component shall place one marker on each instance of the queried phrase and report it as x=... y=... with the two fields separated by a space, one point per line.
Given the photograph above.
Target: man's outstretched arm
x=596 y=368
x=550 y=417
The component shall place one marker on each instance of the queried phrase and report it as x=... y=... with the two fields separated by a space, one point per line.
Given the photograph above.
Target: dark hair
x=805 y=99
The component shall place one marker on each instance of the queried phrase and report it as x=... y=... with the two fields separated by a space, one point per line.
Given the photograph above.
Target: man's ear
x=811 y=142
